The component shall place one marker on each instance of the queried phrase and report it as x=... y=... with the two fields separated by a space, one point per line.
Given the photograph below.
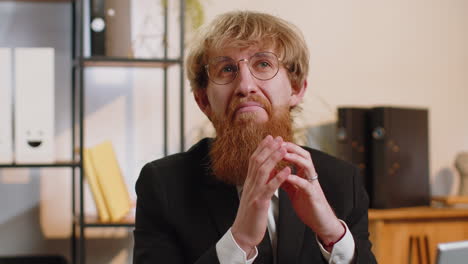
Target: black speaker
x=353 y=140
x=399 y=157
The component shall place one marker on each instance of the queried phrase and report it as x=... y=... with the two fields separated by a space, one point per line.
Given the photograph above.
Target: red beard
x=238 y=137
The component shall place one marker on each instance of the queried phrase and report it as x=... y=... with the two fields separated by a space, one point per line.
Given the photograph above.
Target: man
x=250 y=195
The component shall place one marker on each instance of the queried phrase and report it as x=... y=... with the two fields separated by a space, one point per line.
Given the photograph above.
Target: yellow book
x=91 y=176
x=111 y=181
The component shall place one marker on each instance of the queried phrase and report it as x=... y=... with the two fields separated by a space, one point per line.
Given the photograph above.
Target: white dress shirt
x=229 y=252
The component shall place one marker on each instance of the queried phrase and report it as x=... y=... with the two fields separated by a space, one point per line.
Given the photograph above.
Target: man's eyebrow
x=220 y=58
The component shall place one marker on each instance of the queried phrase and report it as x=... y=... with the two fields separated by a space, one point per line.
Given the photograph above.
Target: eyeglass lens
x=262 y=65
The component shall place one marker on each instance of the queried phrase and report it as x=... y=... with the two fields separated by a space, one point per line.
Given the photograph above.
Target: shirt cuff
x=343 y=250
x=229 y=252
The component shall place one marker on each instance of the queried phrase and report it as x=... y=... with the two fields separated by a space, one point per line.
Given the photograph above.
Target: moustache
x=236 y=103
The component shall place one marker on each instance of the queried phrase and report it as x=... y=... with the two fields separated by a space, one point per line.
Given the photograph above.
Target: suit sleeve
x=358 y=222
x=156 y=239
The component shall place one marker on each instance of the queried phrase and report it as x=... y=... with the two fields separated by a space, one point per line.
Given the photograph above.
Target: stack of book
x=107 y=184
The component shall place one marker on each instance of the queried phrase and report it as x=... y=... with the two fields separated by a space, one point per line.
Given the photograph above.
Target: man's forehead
x=233 y=51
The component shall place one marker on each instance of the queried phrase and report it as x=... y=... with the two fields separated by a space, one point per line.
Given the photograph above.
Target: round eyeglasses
x=262 y=65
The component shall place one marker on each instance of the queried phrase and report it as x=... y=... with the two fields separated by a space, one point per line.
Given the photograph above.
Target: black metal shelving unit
x=44 y=165
x=72 y=164
x=80 y=63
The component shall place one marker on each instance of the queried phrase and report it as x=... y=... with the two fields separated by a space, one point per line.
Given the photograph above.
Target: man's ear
x=298 y=92
x=202 y=100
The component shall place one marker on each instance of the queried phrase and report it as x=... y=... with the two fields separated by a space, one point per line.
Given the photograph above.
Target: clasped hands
x=263 y=180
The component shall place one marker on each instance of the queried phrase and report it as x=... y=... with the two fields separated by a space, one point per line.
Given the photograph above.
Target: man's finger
x=262 y=144
x=304 y=165
x=297 y=181
x=297 y=159
x=291 y=147
x=257 y=158
x=276 y=181
x=269 y=165
x=259 y=165
x=264 y=151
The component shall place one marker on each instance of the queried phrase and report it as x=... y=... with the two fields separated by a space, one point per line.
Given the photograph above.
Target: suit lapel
x=222 y=201
x=290 y=231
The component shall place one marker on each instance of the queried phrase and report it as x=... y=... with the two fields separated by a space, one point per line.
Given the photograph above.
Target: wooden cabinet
x=411 y=235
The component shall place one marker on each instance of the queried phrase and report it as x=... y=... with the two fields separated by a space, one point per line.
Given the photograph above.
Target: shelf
x=39 y=1
x=127 y=62
x=82 y=222
x=42 y=165
x=451 y=200
x=414 y=213
x=93 y=221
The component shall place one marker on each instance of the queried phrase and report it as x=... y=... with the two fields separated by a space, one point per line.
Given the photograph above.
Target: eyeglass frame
x=248 y=66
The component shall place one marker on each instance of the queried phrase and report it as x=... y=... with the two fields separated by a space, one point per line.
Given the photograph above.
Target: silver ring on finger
x=313 y=177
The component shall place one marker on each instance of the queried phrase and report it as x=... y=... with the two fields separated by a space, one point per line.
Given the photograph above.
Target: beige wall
x=367 y=52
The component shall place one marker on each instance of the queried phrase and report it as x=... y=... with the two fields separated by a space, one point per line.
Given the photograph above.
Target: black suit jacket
x=182 y=211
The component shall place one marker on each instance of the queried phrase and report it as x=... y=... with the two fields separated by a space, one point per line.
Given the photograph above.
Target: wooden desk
x=411 y=235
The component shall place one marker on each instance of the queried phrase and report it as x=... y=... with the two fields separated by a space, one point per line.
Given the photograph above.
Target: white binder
x=6 y=129
x=34 y=105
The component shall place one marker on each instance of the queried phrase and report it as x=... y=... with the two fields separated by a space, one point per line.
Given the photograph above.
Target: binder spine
x=34 y=105
x=6 y=119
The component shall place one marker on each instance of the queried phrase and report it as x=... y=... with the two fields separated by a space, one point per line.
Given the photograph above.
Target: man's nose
x=246 y=82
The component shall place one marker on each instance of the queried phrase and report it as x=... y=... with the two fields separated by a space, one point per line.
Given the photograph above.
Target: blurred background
x=363 y=53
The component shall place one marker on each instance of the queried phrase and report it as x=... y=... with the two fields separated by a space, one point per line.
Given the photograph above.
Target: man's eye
x=264 y=64
x=228 y=68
